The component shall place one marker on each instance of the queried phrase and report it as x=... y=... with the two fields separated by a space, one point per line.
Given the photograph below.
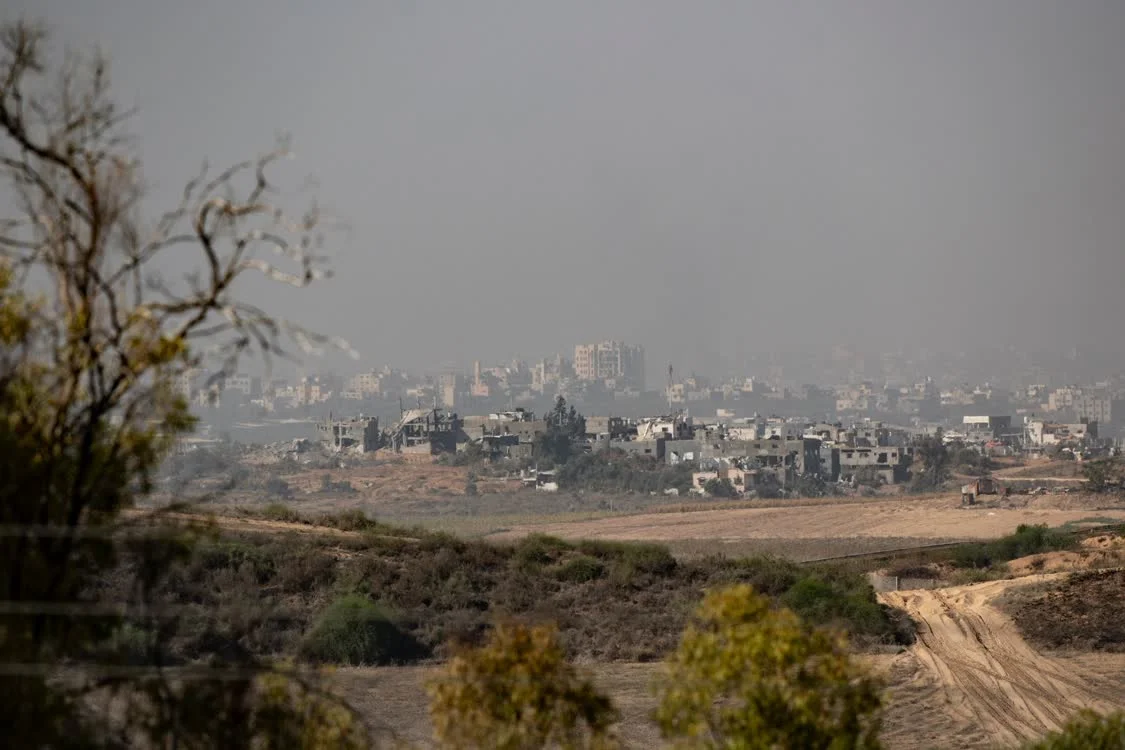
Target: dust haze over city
x=748 y=374
x=711 y=181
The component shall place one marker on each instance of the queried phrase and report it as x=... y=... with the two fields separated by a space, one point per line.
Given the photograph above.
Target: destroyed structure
x=360 y=434
x=419 y=431
x=425 y=431
x=509 y=434
x=754 y=453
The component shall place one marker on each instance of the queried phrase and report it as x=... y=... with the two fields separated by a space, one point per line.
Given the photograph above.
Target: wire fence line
x=95 y=608
x=87 y=531
x=199 y=673
x=172 y=527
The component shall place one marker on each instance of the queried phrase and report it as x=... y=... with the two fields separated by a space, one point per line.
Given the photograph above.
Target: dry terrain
x=970 y=681
x=996 y=688
x=933 y=517
x=1104 y=551
x=1043 y=471
x=393 y=699
x=387 y=480
x=1081 y=611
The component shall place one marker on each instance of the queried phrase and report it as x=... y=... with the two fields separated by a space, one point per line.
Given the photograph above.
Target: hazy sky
x=705 y=178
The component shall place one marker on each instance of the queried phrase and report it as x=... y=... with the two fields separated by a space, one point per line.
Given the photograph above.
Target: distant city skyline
x=1004 y=369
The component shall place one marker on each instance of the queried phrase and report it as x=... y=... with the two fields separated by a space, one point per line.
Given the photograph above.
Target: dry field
x=381 y=480
x=924 y=518
x=971 y=681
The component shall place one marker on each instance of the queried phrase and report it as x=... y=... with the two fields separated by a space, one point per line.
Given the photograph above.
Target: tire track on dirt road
x=990 y=676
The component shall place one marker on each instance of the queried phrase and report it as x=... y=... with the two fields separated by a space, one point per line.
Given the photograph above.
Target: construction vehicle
x=982 y=486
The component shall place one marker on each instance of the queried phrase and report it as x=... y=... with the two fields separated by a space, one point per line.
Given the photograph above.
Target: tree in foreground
x=93 y=340
x=1086 y=731
x=518 y=692
x=749 y=676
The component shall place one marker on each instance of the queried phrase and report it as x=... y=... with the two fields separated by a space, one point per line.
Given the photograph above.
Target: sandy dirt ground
x=919 y=714
x=1106 y=551
x=932 y=517
x=994 y=688
x=970 y=681
x=393 y=700
x=1042 y=471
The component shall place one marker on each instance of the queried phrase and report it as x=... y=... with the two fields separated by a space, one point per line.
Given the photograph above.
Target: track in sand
x=990 y=677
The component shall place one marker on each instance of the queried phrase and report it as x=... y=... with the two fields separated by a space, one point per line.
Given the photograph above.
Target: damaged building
x=359 y=434
x=424 y=431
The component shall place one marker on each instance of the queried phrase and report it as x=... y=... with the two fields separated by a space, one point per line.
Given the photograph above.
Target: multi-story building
x=884 y=462
x=1039 y=433
x=479 y=388
x=986 y=427
x=450 y=386
x=1063 y=398
x=624 y=363
x=187 y=382
x=1093 y=406
x=247 y=385
x=366 y=384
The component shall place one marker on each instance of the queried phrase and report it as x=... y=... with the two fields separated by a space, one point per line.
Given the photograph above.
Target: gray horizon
x=709 y=180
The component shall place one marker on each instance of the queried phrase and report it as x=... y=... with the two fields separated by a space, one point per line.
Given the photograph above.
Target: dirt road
x=990 y=677
x=929 y=517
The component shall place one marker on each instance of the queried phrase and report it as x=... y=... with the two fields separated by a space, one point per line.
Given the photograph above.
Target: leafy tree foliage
x=354 y=630
x=1087 y=731
x=616 y=471
x=720 y=487
x=748 y=676
x=565 y=427
x=92 y=343
x=290 y=715
x=968 y=460
x=769 y=487
x=933 y=456
x=1101 y=474
x=567 y=419
x=813 y=486
x=518 y=692
x=1027 y=539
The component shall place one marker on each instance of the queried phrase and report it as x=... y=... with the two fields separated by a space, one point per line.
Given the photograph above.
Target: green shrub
x=305 y=569
x=649 y=558
x=1086 y=731
x=967 y=576
x=847 y=601
x=913 y=570
x=615 y=472
x=768 y=575
x=537 y=550
x=353 y=520
x=581 y=569
x=720 y=487
x=1027 y=540
x=355 y=630
x=280 y=512
x=236 y=554
x=132 y=645
x=602 y=549
x=277 y=487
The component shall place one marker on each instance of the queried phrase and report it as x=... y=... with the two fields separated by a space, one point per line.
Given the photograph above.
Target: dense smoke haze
x=707 y=179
